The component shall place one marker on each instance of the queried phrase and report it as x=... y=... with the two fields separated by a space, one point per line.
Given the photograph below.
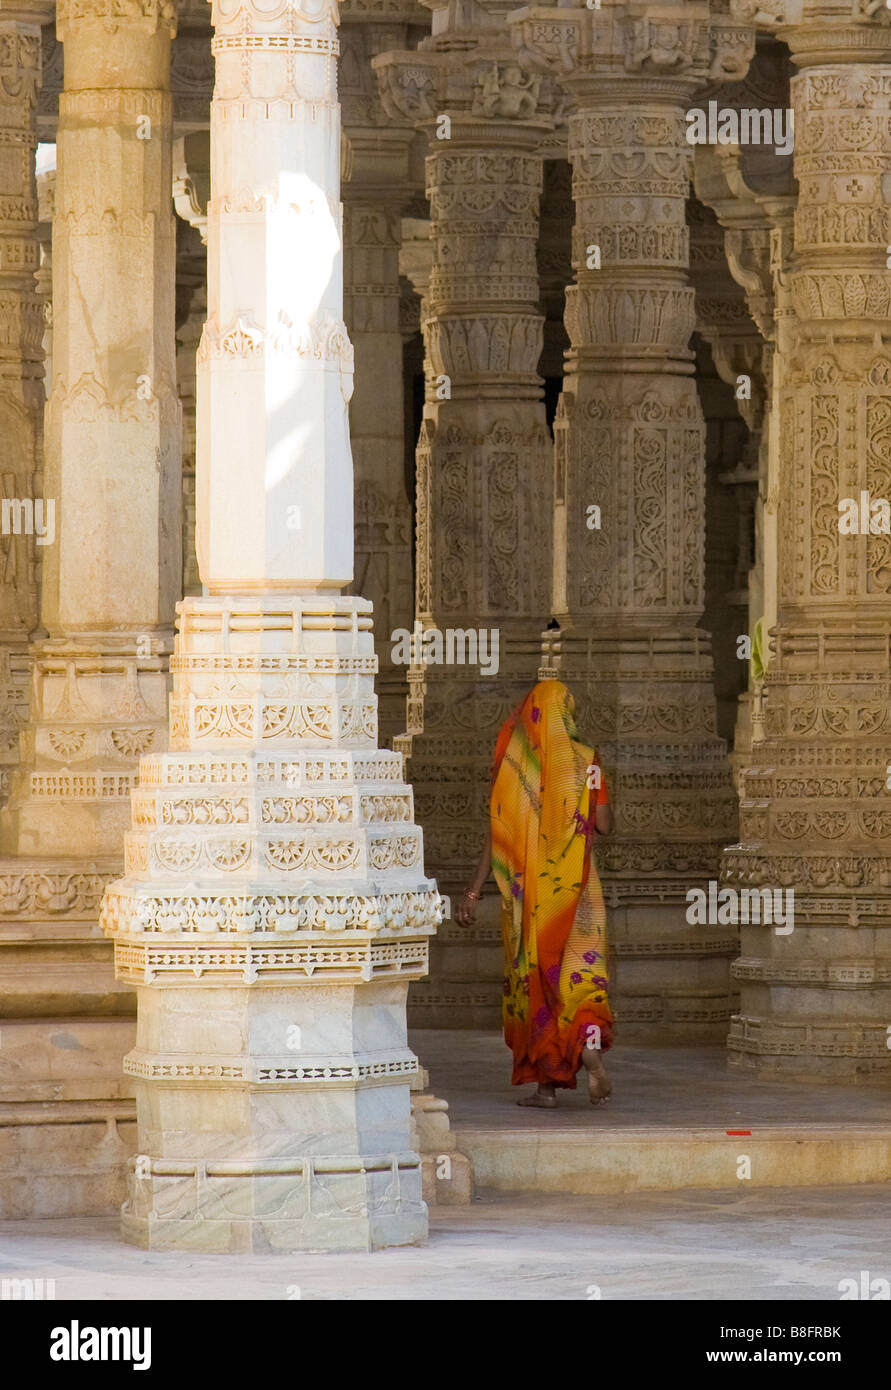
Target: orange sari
x=553 y=917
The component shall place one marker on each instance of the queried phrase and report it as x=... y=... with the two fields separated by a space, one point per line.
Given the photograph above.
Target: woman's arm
x=466 y=909
x=603 y=812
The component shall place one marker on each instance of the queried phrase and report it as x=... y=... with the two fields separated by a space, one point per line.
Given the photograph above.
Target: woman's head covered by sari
x=542 y=814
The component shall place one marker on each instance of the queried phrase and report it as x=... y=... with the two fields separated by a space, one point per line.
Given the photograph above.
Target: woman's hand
x=465 y=912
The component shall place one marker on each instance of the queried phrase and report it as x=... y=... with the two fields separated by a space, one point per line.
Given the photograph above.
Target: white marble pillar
x=275 y=906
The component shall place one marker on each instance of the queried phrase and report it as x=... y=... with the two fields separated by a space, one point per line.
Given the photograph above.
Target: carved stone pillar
x=377 y=417
x=734 y=416
x=21 y=375
x=815 y=818
x=110 y=578
x=629 y=494
x=483 y=493
x=731 y=391
x=377 y=187
x=750 y=189
x=275 y=907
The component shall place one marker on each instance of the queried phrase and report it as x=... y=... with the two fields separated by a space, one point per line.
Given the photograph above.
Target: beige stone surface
x=275 y=906
x=376 y=160
x=813 y=804
x=274 y=862
x=109 y=580
x=21 y=373
x=664 y=1129
x=724 y=1246
x=629 y=439
x=484 y=492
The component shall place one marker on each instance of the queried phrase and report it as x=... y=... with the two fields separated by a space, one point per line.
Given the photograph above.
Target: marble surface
x=778 y=1244
x=652 y=1088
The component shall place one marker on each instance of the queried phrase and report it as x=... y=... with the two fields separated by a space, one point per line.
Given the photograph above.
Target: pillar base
x=280 y=1206
x=844 y=1053
x=273 y=914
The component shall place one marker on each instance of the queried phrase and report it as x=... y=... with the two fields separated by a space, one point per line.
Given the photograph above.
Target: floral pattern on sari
x=555 y=996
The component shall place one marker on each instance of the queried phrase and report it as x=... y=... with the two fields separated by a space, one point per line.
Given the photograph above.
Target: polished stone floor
x=721 y=1240
x=792 y=1244
x=652 y=1087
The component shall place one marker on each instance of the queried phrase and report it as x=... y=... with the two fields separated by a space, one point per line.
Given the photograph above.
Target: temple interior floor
x=653 y=1087
x=723 y=1245
x=678 y=1119
x=649 y=1197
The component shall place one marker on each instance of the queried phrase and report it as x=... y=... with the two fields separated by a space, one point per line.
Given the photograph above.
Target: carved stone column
x=275 y=906
x=815 y=818
x=377 y=416
x=733 y=421
x=377 y=187
x=483 y=491
x=750 y=189
x=629 y=493
x=110 y=578
x=21 y=374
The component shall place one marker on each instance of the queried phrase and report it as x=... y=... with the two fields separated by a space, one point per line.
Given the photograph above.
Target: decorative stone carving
x=191 y=72
x=274 y=907
x=751 y=191
x=482 y=502
x=629 y=456
x=21 y=373
x=110 y=570
x=808 y=820
x=378 y=173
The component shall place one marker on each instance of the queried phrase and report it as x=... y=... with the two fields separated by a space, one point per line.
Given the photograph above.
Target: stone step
x=604 y=1160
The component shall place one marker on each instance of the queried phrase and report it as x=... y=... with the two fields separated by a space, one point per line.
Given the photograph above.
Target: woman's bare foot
x=599 y=1087
x=542 y=1099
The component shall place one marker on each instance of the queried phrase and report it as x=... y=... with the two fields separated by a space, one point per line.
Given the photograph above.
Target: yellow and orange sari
x=553 y=917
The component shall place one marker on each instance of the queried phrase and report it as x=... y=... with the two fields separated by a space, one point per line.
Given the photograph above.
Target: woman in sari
x=548 y=803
